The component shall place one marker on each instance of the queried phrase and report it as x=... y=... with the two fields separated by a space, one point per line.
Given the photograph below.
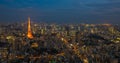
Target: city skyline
x=59 y=31
x=63 y=11
x=52 y=43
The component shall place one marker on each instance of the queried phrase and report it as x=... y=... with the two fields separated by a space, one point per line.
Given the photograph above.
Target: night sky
x=61 y=11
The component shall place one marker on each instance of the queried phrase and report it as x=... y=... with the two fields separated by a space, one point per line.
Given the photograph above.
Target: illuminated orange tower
x=29 y=33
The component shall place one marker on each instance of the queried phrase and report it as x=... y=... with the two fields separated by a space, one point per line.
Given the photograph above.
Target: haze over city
x=61 y=11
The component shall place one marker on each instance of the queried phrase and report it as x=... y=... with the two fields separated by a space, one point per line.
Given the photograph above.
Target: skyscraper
x=29 y=33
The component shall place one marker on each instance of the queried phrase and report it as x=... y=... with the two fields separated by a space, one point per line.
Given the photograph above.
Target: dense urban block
x=59 y=43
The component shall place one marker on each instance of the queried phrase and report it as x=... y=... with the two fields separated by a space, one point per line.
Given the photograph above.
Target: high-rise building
x=29 y=33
